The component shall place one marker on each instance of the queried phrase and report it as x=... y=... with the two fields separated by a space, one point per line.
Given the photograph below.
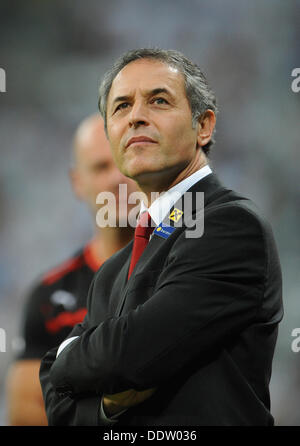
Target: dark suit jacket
x=197 y=319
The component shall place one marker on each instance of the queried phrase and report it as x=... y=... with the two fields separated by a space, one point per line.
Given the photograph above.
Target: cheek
x=115 y=131
x=115 y=148
x=182 y=137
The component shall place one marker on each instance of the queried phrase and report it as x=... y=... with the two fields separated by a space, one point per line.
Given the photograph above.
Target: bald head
x=89 y=136
x=94 y=169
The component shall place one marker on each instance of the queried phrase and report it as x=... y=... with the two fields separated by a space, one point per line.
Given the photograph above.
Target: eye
x=122 y=106
x=159 y=101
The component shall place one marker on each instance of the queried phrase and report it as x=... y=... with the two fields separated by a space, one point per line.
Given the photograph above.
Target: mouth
x=137 y=140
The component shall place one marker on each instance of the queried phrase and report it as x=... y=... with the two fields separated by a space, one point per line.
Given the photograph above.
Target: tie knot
x=144 y=228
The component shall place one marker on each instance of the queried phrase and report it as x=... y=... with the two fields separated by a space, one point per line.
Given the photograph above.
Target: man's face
x=95 y=169
x=149 y=121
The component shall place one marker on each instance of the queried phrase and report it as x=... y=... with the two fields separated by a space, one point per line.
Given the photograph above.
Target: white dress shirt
x=162 y=205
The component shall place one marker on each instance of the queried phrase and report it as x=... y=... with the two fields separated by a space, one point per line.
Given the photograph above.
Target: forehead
x=146 y=74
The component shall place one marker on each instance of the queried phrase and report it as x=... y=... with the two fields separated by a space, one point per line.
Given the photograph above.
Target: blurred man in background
x=58 y=301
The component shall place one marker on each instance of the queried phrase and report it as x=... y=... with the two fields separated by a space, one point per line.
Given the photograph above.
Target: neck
x=107 y=241
x=158 y=182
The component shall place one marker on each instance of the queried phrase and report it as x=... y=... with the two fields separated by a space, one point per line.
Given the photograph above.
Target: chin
x=139 y=168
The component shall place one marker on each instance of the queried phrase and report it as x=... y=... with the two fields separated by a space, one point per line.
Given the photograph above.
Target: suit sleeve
x=60 y=408
x=210 y=290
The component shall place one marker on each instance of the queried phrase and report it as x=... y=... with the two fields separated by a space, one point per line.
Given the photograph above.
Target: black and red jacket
x=56 y=303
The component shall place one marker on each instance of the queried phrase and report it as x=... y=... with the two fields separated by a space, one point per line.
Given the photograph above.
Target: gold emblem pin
x=175 y=215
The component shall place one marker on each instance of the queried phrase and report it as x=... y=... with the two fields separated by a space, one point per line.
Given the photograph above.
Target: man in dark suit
x=182 y=322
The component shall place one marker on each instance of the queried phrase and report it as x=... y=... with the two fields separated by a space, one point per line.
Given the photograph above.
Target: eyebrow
x=153 y=92
x=120 y=99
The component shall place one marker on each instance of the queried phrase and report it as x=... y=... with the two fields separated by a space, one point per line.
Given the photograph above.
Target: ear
x=206 y=125
x=76 y=183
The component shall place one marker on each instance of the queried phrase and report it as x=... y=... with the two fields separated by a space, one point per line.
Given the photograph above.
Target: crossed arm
x=207 y=294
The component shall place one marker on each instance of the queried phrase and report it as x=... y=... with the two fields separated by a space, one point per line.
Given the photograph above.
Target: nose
x=138 y=115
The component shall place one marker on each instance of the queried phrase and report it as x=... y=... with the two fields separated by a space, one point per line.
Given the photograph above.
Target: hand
x=124 y=400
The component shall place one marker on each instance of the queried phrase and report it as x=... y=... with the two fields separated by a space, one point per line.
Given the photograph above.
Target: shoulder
x=59 y=277
x=68 y=266
x=220 y=206
x=231 y=223
x=233 y=210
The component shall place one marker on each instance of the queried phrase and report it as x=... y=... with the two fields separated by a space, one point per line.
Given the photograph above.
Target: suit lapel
x=174 y=222
x=183 y=210
x=152 y=248
x=192 y=202
x=120 y=285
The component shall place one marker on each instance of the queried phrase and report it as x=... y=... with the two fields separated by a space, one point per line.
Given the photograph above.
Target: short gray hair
x=199 y=94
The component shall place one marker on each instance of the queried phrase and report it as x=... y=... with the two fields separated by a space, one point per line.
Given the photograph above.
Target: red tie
x=142 y=234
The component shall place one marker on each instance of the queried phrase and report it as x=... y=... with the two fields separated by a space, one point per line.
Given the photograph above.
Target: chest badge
x=164 y=231
x=176 y=215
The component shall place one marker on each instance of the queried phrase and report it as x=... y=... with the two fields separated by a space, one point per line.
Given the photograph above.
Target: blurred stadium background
x=55 y=53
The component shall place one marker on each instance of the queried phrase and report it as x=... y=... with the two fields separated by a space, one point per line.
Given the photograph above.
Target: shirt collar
x=162 y=205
